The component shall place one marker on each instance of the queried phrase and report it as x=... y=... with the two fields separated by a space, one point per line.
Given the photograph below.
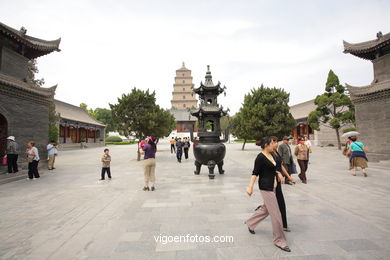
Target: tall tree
x=104 y=115
x=334 y=107
x=165 y=123
x=137 y=114
x=241 y=128
x=54 y=118
x=265 y=112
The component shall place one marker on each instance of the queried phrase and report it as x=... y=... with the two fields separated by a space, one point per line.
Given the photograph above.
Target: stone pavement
x=69 y=214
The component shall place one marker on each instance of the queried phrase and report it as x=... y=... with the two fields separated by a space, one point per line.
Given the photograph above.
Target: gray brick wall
x=13 y=64
x=373 y=123
x=382 y=68
x=27 y=120
x=326 y=136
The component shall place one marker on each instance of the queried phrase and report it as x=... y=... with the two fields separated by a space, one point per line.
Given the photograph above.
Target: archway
x=3 y=134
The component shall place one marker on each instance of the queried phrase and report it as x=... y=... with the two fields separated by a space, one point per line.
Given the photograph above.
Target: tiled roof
x=11 y=81
x=367 y=50
x=302 y=110
x=40 y=46
x=74 y=113
x=183 y=68
x=366 y=90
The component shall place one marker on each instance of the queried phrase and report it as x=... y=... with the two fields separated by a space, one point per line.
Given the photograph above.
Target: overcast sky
x=109 y=47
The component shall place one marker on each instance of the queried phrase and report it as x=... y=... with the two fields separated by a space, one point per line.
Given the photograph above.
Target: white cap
x=11 y=138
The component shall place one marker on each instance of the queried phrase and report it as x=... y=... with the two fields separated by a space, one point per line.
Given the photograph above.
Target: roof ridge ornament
x=23 y=31
x=379 y=35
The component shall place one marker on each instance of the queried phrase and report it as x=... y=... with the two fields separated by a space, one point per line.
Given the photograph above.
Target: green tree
x=104 y=115
x=137 y=114
x=32 y=69
x=265 y=112
x=165 y=123
x=334 y=107
x=240 y=128
x=53 y=123
x=88 y=110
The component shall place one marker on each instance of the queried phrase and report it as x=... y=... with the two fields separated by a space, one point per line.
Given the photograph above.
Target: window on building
x=183 y=74
x=184 y=105
x=184 y=89
x=184 y=97
x=184 y=81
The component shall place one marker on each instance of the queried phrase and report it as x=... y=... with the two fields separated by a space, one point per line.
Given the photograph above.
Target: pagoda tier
x=209 y=110
x=369 y=50
x=208 y=87
x=28 y=46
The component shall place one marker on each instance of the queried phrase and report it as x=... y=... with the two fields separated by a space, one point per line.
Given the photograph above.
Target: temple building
x=76 y=126
x=183 y=99
x=372 y=102
x=300 y=113
x=24 y=107
x=323 y=137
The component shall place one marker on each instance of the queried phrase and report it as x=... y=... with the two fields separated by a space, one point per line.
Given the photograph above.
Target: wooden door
x=3 y=134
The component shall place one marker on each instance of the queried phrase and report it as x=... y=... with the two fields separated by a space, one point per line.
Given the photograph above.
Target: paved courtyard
x=69 y=214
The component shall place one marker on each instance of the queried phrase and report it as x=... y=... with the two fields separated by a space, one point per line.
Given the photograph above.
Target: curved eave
x=41 y=47
x=183 y=70
x=368 y=90
x=208 y=89
x=201 y=109
x=45 y=92
x=368 y=49
x=211 y=87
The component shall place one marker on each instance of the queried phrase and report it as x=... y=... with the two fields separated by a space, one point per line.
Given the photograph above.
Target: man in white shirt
x=52 y=152
x=308 y=144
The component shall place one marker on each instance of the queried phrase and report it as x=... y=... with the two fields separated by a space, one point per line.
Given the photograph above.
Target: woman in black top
x=279 y=194
x=265 y=169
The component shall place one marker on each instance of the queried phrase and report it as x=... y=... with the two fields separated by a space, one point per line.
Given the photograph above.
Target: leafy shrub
x=242 y=140
x=121 y=143
x=330 y=145
x=113 y=139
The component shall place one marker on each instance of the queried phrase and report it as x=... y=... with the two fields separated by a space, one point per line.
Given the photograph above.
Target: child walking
x=106 y=160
